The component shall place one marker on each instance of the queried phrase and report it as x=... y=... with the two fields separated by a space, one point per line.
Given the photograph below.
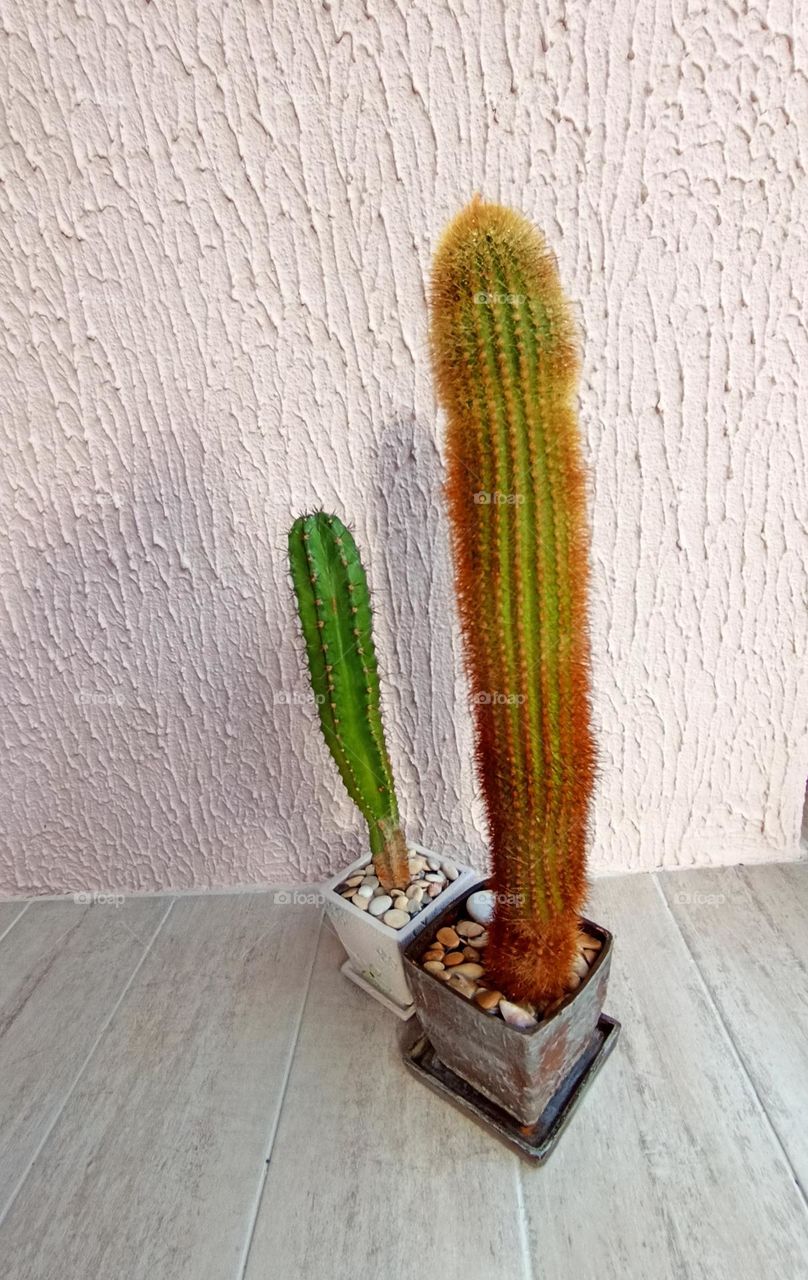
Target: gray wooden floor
x=189 y=1090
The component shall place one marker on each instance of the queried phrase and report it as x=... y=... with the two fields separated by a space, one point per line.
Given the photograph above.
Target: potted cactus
x=509 y=984
x=382 y=901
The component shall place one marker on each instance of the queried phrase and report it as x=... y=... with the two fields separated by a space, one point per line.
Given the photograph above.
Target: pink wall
x=217 y=226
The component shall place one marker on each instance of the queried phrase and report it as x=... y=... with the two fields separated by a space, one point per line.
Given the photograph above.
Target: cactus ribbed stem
x=335 y=614
x=505 y=364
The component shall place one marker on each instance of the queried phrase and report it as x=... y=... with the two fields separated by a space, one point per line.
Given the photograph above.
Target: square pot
x=519 y=1070
x=374 y=949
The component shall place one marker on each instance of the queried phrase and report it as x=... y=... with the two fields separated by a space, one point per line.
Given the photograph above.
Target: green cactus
x=505 y=363
x=335 y=613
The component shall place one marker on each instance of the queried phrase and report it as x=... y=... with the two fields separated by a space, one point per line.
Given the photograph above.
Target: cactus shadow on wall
x=426 y=714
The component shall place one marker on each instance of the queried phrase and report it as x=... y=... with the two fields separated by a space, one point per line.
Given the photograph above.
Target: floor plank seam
x=524 y=1227
x=262 y=1179
x=739 y=1058
x=16 y=919
x=21 y=1182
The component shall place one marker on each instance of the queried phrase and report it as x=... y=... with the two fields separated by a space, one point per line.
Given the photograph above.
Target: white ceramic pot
x=374 y=949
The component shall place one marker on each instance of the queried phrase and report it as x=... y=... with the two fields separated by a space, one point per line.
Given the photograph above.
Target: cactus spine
x=505 y=366
x=334 y=607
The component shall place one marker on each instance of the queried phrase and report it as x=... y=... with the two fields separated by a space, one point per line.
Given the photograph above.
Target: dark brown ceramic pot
x=519 y=1070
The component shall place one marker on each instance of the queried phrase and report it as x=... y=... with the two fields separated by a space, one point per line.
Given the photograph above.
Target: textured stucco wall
x=216 y=221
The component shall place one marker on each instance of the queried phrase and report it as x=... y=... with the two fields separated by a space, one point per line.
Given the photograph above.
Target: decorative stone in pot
x=520 y=1068
x=375 y=938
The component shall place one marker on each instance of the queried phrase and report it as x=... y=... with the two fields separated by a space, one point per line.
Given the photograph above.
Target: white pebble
x=379 y=905
x=364 y=891
x=480 y=906
x=449 y=869
x=396 y=919
x=516 y=1015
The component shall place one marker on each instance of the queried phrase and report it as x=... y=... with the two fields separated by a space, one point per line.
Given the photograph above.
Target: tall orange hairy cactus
x=505 y=364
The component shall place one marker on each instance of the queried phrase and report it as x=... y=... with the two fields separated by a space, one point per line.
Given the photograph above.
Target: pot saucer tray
x=538 y=1141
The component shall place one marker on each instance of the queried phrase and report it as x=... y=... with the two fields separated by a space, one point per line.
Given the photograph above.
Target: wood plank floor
x=747 y=928
x=189 y=1090
x=64 y=967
